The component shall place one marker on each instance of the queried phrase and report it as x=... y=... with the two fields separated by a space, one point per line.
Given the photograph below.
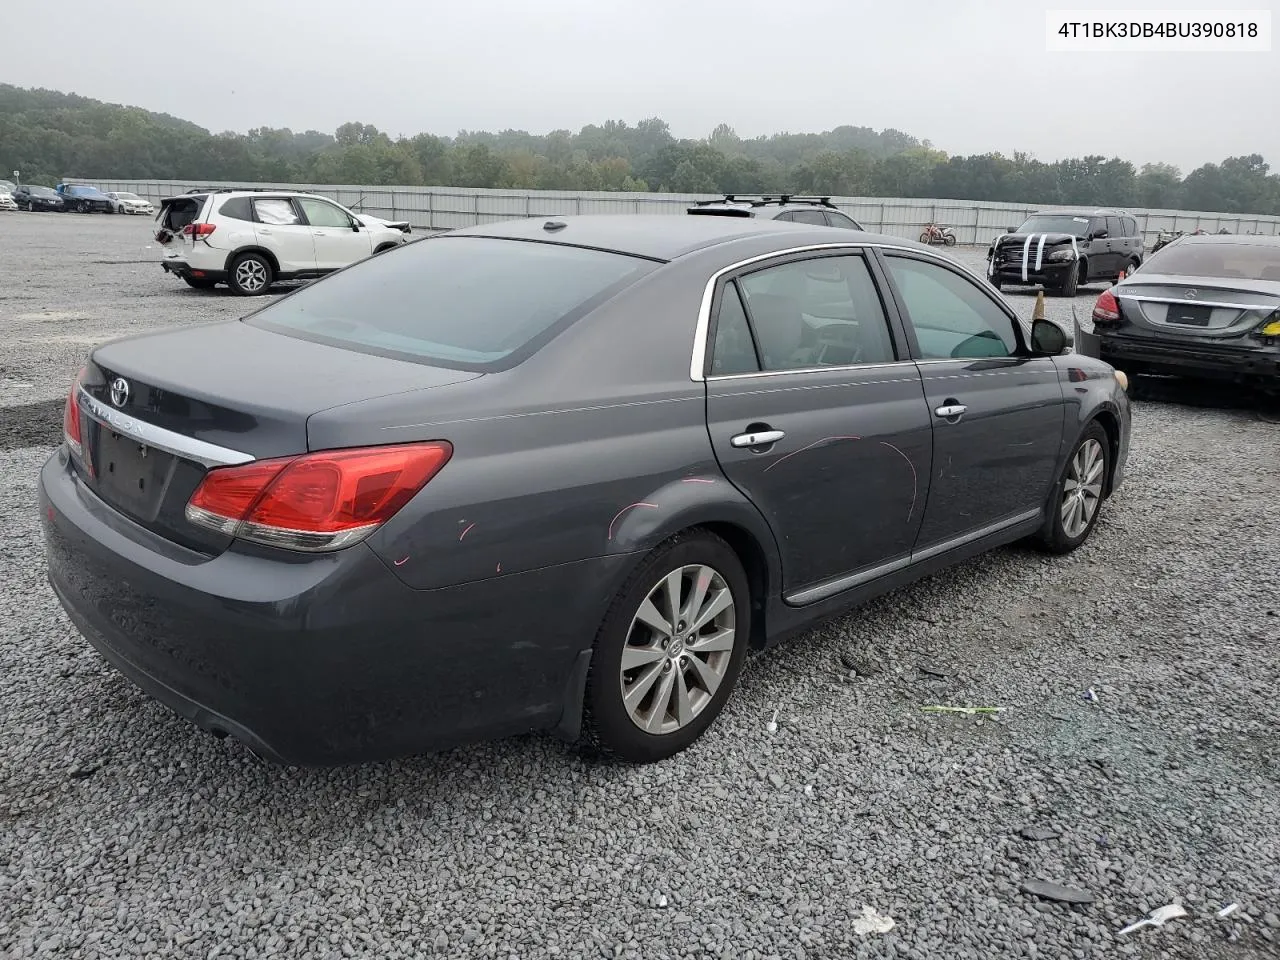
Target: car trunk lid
x=159 y=411
x=174 y=214
x=1195 y=308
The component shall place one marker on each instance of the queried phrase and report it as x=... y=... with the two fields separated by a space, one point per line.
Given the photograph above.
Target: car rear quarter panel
x=596 y=446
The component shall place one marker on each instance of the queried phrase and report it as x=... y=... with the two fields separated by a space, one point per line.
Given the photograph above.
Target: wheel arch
x=1109 y=420
x=252 y=248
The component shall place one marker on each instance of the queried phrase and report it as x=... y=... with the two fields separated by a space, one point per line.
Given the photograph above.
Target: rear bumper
x=181 y=268
x=323 y=660
x=1251 y=364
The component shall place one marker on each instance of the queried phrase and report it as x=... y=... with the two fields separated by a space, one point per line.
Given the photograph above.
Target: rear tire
x=1077 y=498
x=199 y=283
x=674 y=686
x=250 y=275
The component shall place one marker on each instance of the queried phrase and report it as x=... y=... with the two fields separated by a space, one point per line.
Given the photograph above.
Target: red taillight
x=71 y=416
x=198 y=230
x=317 y=501
x=1106 y=310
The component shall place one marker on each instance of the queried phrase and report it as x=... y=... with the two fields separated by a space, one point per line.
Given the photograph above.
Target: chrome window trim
x=180 y=445
x=699 y=358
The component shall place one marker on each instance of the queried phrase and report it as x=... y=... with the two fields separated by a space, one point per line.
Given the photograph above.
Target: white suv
x=250 y=239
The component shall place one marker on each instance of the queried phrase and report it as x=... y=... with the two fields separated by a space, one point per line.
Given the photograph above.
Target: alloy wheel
x=678 y=650
x=1082 y=491
x=251 y=275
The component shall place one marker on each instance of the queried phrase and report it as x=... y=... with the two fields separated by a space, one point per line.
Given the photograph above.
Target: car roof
x=1082 y=212
x=665 y=237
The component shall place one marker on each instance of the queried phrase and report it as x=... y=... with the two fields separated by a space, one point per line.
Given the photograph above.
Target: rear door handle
x=950 y=410
x=761 y=438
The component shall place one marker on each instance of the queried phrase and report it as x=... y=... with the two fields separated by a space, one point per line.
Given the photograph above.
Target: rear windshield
x=472 y=303
x=1248 y=261
x=1073 y=226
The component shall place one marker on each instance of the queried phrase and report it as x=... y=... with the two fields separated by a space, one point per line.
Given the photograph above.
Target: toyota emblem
x=119 y=391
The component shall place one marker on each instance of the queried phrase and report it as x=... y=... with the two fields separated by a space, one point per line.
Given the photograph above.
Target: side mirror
x=1098 y=235
x=1048 y=339
x=1010 y=229
x=355 y=226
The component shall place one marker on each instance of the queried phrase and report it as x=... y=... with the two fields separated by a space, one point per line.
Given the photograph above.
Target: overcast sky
x=970 y=75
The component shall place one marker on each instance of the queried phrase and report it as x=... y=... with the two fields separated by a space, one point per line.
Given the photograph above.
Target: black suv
x=1063 y=249
x=819 y=210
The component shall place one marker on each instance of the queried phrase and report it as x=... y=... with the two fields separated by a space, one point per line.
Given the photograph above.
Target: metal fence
x=448 y=208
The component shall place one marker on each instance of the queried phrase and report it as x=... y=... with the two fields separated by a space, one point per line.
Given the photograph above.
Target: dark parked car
x=1062 y=250
x=84 y=199
x=1205 y=307
x=28 y=197
x=554 y=475
x=818 y=211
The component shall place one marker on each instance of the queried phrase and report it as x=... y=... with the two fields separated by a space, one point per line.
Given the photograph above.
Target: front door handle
x=760 y=439
x=950 y=410
x=264 y=230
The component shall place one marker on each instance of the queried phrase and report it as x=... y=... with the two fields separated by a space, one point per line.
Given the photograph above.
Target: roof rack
x=240 y=190
x=763 y=200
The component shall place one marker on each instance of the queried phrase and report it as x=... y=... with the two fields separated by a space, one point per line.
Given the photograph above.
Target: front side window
x=952 y=317
x=818 y=312
x=276 y=212
x=473 y=303
x=321 y=214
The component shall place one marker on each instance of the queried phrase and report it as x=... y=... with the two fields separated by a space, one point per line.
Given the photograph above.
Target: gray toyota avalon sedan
x=554 y=475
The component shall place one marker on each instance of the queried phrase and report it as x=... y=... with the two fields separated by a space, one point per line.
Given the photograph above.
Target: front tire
x=1078 y=496
x=250 y=275
x=949 y=239
x=669 y=651
x=1070 y=281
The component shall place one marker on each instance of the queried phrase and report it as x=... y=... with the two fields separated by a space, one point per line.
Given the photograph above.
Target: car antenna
x=554 y=225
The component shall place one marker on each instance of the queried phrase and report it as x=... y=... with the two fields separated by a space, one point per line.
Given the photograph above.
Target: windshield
x=1059 y=223
x=1232 y=259
x=472 y=303
x=84 y=191
x=7 y=186
x=41 y=192
x=128 y=196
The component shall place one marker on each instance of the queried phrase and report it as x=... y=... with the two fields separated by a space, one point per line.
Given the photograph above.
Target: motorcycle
x=935 y=233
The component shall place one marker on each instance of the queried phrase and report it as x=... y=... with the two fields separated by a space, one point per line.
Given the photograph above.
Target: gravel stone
x=182 y=845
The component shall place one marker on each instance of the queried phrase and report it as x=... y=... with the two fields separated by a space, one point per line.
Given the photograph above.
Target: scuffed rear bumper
x=1250 y=364
x=321 y=660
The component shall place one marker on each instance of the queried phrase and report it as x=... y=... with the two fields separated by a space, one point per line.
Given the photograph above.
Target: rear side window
x=808 y=216
x=472 y=303
x=1130 y=227
x=734 y=351
x=1114 y=227
x=275 y=211
x=840 y=220
x=237 y=208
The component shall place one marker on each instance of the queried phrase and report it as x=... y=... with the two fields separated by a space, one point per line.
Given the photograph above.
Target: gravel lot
x=126 y=832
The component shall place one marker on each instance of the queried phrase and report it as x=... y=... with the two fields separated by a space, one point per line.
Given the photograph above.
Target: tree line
x=47 y=135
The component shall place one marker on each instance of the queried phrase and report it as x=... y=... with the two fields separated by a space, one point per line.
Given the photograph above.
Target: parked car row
x=79 y=198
